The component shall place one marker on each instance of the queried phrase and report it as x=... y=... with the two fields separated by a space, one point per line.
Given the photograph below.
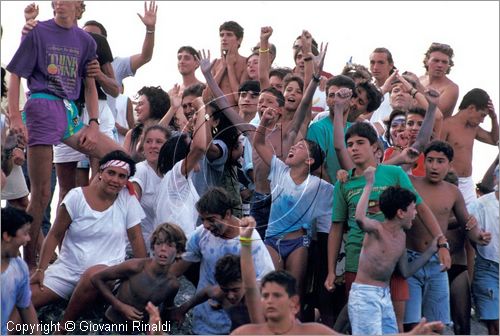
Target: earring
x=100 y=177
x=215 y=130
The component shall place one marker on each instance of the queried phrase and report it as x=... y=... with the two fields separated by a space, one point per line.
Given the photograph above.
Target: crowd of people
x=294 y=200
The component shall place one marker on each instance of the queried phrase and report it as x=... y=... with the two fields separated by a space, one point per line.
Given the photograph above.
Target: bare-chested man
x=443 y=199
x=461 y=130
x=144 y=279
x=229 y=69
x=438 y=62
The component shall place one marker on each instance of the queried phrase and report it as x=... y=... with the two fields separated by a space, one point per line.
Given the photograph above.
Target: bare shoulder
x=135 y=265
x=314 y=328
x=250 y=329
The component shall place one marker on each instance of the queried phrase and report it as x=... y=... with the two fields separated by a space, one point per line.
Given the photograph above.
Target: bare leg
x=104 y=144
x=82 y=177
x=84 y=295
x=277 y=261
x=19 y=203
x=460 y=303
x=66 y=176
x=39 y=168
x=296 y=264
x=471 y=255
x=492 y=327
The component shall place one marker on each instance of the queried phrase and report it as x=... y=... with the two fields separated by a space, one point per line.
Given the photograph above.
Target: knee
x=86 y=278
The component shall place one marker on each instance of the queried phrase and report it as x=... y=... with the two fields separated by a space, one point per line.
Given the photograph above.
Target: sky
x=351 y=29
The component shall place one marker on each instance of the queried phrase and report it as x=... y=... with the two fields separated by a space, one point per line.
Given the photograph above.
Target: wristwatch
x=444 y=245
x=94 y=119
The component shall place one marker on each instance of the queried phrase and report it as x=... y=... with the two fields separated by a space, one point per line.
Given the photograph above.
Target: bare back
x=461 y=138
x=381 y=251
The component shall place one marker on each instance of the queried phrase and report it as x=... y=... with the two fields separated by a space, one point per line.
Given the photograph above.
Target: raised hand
x=491 y=110
x=319 y=60
x=342 y=175
x=265 y=33
x=247 y=225
x=268 y=116
x=149 y=18
x=31 y=12
x=175 y=96
x=306 y=38
x=432 y=96
x=204 y=60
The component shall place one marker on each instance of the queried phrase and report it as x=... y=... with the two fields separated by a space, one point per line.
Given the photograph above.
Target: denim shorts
x=429 y=292
x=370 y=310
x=485 y=288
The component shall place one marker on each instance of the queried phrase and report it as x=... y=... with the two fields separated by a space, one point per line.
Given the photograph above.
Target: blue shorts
x=429 y=292
x=286 y=247
x=260 y=208
x=50 y=119
x=485 y=288
x=370 y=310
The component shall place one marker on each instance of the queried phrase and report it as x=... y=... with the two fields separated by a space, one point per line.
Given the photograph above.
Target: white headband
x=117 y=163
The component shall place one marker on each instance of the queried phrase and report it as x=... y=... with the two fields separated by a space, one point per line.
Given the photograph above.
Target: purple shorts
x=50 y=119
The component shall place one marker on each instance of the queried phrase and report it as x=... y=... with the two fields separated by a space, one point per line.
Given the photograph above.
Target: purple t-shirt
x=53 y=59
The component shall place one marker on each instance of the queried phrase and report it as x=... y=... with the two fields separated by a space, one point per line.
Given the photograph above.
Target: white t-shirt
x=207 y=249
x=176 y=201
x=485 y=209
x=383 y=112
x=296 y=206
x=121 y=103
x=97 y=237
x=121 y=67
x=149 y=182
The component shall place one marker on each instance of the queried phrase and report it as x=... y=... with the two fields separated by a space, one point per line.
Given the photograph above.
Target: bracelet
x=263 y=50
x=39 y=270
x=307 y=59
x=150 y=31
x=316 y=78
x=244 y=243
x=415 y=91
x=207 y=116
x=245 y=239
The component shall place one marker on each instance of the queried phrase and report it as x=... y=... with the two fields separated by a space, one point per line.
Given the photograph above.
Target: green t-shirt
x=346 y=196
x=322 y=133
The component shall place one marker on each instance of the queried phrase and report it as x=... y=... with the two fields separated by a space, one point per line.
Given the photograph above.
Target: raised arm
x=149 y=20
x=366 y=224
x=490 y=137
x=175 y=96
x=303 y=114
x=334 y=243
x=424 y=135
x=199 y=142
x=264 y=57
x=249 y=278
x=340 y=110
x=306 y=38
x=118 y=272
x=408 y=269
x=259 y=140
x=221 y=100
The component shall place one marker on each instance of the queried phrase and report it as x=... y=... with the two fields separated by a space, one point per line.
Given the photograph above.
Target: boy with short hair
x=384 y=246
x=144 y=279
x=16 y=290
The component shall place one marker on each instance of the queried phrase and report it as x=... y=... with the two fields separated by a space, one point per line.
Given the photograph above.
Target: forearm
x=425 y=131
x=91 y=98
x=418 y=263
x=109 y=85
x=339 y=143
x=334 y=243
x=264 y=62
x=233 y=81
x=13 y=96
x=99 y=282
x=165 y=120
x=488 y=178
x=303 y=113
x=362 y=206
x=29 y=315
x=249 y=278
x=494 y=130
x=48 y=248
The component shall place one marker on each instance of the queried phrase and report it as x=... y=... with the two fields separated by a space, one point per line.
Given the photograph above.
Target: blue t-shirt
x=204 y=247
x=54 y=59
x=210 y=174
x=16 y=290
x=296 y=206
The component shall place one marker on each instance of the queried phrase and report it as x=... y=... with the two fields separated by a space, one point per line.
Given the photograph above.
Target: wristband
x=40 y=270
x=316 y=78
x=150 y=31
x=263 y=50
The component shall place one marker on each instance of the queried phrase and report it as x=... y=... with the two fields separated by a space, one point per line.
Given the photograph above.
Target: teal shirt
x=322 y=133
x=346 y=196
